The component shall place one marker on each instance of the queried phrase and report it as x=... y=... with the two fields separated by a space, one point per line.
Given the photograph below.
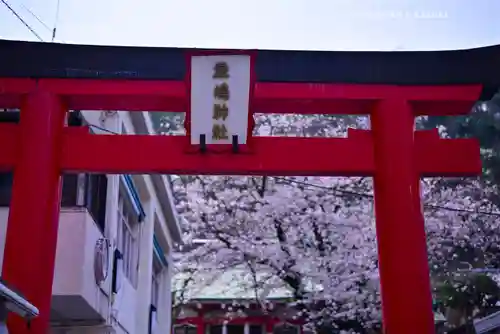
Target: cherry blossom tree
x=471 y=241
x=317 y=234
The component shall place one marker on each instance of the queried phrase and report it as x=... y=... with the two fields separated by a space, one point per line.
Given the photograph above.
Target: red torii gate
x=41 y=147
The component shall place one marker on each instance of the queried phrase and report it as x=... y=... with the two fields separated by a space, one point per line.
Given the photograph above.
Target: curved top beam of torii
x=52 y=60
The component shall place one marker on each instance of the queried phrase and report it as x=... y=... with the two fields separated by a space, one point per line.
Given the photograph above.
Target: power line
x=22 y=21
x=36 y=17
x=347 y=192
x=56 y=21
x=365 y=195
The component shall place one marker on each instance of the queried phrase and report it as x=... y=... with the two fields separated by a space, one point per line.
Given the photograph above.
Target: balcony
x=76 y=297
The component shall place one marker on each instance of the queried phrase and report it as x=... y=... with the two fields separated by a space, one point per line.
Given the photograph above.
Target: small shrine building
x=234 y=301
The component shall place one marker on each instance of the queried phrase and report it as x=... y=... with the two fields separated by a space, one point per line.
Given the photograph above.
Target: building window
x=286 y=328
x=78 y=190
x=185 y=329
x=256 y=329
x=95 y=185
x=214 y=329
x=155 y=281
x=89 y=191
x=128 y=243
x=235 y=329
x=5 y=188
x=96 y=189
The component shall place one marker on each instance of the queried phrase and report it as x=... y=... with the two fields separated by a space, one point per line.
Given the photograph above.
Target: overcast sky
x=274 y=24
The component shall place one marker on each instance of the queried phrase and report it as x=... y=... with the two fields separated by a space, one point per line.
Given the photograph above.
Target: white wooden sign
x=220 y=95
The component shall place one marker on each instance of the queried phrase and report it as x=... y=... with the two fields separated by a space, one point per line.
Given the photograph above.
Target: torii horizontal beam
x=353 y=156
x=281 y=98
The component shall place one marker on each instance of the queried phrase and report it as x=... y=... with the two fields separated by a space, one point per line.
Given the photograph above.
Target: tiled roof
x=232 y=284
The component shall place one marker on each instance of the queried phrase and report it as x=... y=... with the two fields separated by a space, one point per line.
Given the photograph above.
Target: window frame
x=156 y=274
x=285 y=325
x=186 y=328
x=128 y=242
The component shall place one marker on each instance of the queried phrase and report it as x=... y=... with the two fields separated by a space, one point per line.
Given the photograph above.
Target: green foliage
x=483 y=123
x=472 y=294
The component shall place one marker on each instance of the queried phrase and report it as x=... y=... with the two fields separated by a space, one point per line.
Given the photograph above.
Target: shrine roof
x=231 y=284
x=53 y=60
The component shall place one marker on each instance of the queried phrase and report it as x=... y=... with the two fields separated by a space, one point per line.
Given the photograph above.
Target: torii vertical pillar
x=402 y=248
x=31 y=240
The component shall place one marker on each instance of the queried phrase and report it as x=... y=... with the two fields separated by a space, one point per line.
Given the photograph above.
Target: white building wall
x=165 y=304
x=128 y=311
x=145 y=269
x=155 y=222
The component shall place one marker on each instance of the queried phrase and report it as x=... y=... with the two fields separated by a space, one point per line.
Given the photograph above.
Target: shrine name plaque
x=219 y=98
